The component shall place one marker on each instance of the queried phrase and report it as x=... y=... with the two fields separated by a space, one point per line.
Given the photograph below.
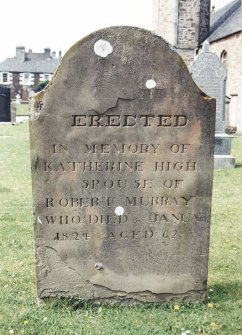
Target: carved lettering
x=177 y=218
x=172 y=183
x=143 y=120
x=121 y=148
x=158 y=201
x=63 y=219
x=179 y=148
x=132 y=166
x=175 y=166
x=143 y=184
x=60 y=148
x=107 y=219
x=169 y=234
x=108 y=184
x=78 y=202
x=111 y=235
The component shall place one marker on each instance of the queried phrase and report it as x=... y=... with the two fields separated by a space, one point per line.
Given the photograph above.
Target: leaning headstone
x=122 y=168
x=210 y=75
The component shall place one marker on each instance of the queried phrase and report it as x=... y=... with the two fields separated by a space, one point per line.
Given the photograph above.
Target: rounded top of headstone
x=208 y=60
x=118 y=62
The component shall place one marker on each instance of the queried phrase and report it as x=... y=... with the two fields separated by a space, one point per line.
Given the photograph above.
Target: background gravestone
x=122 y=162
x=210 y=75
x=5 y=110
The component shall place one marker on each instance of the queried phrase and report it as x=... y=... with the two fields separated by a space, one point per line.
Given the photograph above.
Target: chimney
x=53 y=55
x=47 y=52
x=20 y=53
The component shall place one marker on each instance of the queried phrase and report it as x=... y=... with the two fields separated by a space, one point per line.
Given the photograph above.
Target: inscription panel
x=122 y=174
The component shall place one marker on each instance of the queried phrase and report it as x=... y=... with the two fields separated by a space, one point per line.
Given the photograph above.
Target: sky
x=58 y=24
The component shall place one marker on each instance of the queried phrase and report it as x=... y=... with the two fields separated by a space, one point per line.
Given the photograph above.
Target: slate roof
x=225 y=21
x=29 y=65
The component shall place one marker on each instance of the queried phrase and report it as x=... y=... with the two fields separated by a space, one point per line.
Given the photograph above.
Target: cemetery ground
x=22 y=109
x=20 y=312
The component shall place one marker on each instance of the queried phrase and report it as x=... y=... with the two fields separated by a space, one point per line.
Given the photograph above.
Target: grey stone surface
x=210 y=75
x=122 y=165
x=5 y=105
x=13 y=112
x=224 y=161
x=184 y=24
x=222 y=145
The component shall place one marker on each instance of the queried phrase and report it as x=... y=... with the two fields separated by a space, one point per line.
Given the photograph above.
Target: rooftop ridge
x=223 y=14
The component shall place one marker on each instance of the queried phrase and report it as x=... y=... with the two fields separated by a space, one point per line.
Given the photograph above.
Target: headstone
x=5 y=110
x=227 y=116
x=18 y=99
x=13 y=108
x=122 y=168
x=233 y=111
x=210 y=75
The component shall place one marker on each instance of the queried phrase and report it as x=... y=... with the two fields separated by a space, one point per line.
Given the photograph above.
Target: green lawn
x=22 y=109
x=20 y=312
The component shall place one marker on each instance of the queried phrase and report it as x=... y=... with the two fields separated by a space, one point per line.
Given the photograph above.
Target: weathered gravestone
x=122 y=162
x=210 y=75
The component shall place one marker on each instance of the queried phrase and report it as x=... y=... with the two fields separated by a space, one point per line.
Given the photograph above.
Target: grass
x=20 y=312
x=22 y=109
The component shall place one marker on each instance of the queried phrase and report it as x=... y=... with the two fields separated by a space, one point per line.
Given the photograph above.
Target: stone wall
x=193 y=22
x=187 y=55
x=204 y=20
x=183 y=23
x=165 y=20
x=233 y=47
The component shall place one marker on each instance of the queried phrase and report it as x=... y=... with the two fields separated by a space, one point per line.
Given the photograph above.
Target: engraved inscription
x=159 y=201
x=123 y=235
x=122 y=148
x=175 y=166
x=60 y=148
x=98 y=166
x=145 y=120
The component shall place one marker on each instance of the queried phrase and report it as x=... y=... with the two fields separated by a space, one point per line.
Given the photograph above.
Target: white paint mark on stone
x=119 y=211
x=150 y=83
x=103 y=48
x=99 y=266
x=38 y=220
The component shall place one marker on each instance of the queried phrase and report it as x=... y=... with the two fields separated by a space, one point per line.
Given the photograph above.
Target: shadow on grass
x=4 y=190
x=238 y=165
x=226 y=292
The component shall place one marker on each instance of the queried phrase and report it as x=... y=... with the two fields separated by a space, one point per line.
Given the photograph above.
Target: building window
x=5 y=77
x=223 y=57
x=26 y=79
x=46 y=76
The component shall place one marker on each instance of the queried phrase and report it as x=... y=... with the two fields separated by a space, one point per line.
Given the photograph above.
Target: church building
x=186 y=24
